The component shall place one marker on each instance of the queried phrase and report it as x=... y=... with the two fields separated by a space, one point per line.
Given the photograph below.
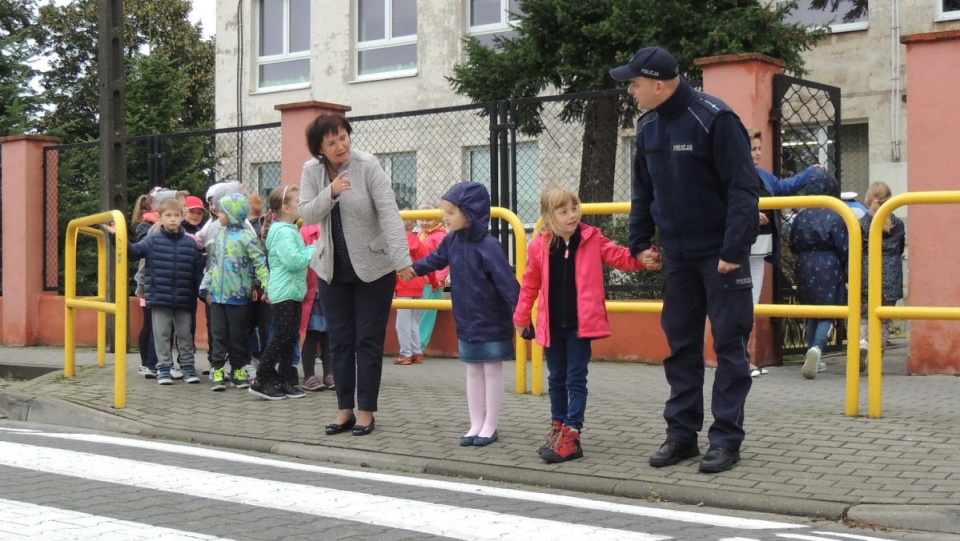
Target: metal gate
x=806 y=127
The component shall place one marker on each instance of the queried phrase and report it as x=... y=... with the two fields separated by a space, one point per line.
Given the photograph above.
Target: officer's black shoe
x=672 y=452
x=718 y=459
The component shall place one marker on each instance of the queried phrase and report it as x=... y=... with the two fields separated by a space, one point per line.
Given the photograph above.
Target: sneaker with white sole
x=176 y=373
x=147 y=372
x=190 y=375
x=811 y=364
x=239 y=378
x=163 y=377
x=864 y=347
x=217 y=382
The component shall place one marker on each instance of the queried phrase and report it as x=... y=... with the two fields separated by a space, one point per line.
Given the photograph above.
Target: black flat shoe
x=334 y=428
x=361 y=430
x=671 y=453
x=719 y=459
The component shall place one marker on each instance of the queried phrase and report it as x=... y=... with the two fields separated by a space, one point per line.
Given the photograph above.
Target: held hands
x=340 y=184
x=650 y=258
x=407 y=274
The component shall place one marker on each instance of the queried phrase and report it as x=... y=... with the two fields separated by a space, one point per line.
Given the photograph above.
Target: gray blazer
x=376 y=239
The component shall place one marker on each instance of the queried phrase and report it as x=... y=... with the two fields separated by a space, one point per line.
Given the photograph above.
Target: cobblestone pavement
x=802 y=455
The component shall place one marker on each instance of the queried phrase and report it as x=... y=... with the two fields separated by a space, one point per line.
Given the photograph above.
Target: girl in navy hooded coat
x=484 y=291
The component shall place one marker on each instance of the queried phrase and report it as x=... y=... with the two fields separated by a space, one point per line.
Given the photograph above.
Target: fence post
x=294 y=119
x=933 y=129
x=23 y=242
x=745 y=83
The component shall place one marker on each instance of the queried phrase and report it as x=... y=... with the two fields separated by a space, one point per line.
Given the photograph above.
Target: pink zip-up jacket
x=594 y=251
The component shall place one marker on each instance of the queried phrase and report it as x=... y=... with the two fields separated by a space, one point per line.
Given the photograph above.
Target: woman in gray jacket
x=361 y=248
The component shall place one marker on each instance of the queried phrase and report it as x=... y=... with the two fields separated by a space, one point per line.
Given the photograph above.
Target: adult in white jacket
x=361 y=248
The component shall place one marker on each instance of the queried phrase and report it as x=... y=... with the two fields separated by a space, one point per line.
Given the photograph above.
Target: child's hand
x=408 y=274
x=519 y=329
x=650 y=258
x=109 y=228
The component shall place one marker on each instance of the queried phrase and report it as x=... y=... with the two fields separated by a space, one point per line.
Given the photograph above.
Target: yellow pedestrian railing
x=99 y=302
x=875 y=309
x=520 y=240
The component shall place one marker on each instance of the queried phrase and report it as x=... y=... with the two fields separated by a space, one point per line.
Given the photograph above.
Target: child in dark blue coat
x=820 y=240
x=173 y=268
x=484 y=291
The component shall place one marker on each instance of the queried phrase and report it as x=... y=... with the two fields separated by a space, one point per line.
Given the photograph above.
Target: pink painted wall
x=745 y=83
x=22 y=236
x=933 y=133
x=294 y=119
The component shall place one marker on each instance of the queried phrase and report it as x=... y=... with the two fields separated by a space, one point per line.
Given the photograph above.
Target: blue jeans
x=818 y=331
x=567 y=360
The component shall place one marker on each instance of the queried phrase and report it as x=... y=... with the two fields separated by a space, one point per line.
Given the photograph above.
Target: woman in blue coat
x=819 y=239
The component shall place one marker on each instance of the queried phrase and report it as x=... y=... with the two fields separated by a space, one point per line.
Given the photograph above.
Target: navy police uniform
x=695 y=182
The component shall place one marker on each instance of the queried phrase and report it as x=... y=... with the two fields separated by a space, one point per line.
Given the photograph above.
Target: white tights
x=484 y=392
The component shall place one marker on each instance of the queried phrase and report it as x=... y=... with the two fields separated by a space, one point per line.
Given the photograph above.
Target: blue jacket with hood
x=819 y=239
x=483 y=286
x=237 y=259
x=694 y=180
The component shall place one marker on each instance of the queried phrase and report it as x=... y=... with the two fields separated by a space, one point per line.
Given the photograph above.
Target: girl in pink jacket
x=565 y=270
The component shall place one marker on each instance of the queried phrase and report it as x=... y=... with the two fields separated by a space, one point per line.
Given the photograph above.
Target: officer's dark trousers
x=693 y=289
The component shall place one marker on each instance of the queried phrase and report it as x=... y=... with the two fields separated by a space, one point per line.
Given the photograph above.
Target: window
x=855 y=158
x=528 y=178
x=491 y=18
x=809 y=16
x=284 y=55
x=268 y=178
x=949 y=10
x=386 y=38
x=402 y=170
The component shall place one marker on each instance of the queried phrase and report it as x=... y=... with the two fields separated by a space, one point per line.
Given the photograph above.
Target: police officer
x=694 y=181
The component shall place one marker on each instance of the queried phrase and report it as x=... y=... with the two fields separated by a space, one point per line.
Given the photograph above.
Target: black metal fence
x=183 y=161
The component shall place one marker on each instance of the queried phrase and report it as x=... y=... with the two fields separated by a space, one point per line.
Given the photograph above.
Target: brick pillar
x=294 y=119
x=745 y=83
x=23 y=244
x=933 y=129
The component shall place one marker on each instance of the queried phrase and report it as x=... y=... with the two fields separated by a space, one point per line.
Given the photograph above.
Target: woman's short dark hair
x=323 y=126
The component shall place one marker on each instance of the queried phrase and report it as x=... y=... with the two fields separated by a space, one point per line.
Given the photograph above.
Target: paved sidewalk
x=802 y=455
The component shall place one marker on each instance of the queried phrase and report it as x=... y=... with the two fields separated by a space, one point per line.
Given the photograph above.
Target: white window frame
x=506 y=24
x=262 y=168
x=943 y=16
x=839 y=28
x=387 y=42
x=386 y=162
x=528 y=182
x=285 y=56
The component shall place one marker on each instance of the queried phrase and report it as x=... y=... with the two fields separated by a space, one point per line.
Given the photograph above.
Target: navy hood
x=823 y=183
x=473 y=200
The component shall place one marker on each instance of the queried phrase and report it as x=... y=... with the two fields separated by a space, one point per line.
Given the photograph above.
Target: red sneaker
x=552 y=437
x=567 y=447
x=416 y=359
x=402 y=360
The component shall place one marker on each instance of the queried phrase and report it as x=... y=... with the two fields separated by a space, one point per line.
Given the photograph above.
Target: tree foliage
x=19 y=103
x=858 y=8
x=569 y=46
x=169 y=87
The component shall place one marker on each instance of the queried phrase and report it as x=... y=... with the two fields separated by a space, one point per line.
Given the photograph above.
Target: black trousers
x=693 y=289
x=230 y=326
x=357 y=317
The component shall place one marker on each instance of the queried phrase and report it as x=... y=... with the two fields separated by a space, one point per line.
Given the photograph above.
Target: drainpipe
x=895 y=80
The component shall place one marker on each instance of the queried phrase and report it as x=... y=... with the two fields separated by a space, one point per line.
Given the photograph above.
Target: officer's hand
x=724 y=267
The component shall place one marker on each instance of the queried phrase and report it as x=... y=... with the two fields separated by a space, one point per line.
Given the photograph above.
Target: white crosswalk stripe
x=22 y=521
x=423 y=517
x=738 y=523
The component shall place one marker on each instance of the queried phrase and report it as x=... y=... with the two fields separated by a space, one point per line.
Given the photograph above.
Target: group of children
x=225 y=264
x=564 y=272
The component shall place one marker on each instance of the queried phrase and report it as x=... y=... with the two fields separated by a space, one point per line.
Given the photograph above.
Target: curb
x=61 y=413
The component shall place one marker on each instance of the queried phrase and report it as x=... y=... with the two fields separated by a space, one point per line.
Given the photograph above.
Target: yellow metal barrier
x=875 y=310
x=851 y=311
x=520 y=239
x=99 y=302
